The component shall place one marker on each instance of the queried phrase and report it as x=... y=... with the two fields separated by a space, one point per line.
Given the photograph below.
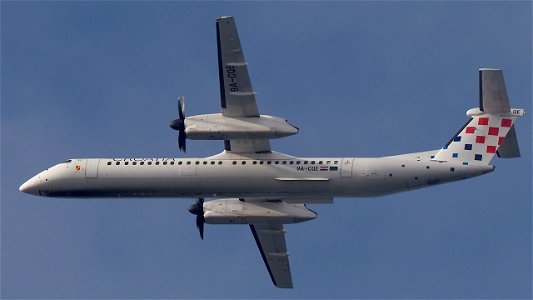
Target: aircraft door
x=346 y=167
x=91 y=167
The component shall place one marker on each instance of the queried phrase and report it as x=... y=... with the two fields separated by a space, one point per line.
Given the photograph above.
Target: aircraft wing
x=236 y=92
x=270 y=239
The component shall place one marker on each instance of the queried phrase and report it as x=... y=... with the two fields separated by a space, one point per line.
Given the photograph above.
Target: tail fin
x=490 y=129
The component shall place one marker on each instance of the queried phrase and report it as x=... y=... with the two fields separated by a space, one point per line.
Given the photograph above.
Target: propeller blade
x=179 y=124
x=200 y=225
x=200 y=218
x=181 y=107
x=182 y=141
x=198 y=210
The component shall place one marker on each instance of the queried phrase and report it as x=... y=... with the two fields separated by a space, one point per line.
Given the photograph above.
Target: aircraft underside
x=304 y=178
x=248 y=183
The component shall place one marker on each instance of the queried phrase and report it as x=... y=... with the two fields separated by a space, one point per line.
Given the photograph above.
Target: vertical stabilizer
x=492 y=93
x=490 y=129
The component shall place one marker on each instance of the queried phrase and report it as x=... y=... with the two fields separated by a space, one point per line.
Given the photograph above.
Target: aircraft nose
x=30 y=187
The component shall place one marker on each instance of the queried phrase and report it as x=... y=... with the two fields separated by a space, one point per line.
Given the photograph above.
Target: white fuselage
x=271 y=175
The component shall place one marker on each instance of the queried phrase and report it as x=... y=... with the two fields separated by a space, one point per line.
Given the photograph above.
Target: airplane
x=248 y=183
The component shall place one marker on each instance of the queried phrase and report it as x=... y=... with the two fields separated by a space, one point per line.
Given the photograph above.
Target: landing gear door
x=346 y=167
x=91 y=168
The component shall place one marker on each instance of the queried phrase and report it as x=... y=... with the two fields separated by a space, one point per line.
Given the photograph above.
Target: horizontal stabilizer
x=492 y=92
x=509 y=147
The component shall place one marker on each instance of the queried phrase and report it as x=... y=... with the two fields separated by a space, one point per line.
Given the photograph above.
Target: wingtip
x=224 y=17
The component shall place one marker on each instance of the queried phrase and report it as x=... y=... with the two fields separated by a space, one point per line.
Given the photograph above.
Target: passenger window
x=269 y=162
x=328 y=162
x=108 y=163
x=134 y=163
x=142 y=163
x=172 y=163
x=179 y=162
x=189 y=162
x=276 y=162
x=305 y=162
x=165 y=163
x=213 y=162
x=243 y=162
x=149 y=163
x=254 y=162
x=261 y=162
x=320 y=162
x=157 y=163
x=197 y=162
x=336 y=162
x=219 y=162
x=234 y=162
x=297 y=162
x=205 y=163
x=291 y=162
x=117 y=163
x=284 y=162
x=312 y=162
x=126 y=163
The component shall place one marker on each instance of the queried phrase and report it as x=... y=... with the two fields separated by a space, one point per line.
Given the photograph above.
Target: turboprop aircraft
x=248 y=183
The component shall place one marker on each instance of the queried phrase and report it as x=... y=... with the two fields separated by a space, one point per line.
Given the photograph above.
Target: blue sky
x=101 y=79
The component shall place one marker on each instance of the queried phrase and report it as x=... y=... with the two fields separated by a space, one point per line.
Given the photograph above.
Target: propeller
x=198 y=210
x=179 y=124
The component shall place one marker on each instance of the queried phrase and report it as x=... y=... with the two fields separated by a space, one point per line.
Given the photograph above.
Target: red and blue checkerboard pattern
x=478 y=141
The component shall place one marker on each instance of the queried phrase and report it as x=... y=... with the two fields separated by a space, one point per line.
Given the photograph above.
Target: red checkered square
x=470 y=129
x=500 y=140
x=480 y=139
x=491 y=149
x=483 y=121
x=494 y=130
x=507 y=122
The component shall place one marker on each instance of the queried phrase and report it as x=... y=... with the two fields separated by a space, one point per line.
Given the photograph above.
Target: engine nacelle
x=218 y=127
x=234 y=211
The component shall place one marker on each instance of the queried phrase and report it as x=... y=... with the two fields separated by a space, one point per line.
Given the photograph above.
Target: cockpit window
x=67 y=161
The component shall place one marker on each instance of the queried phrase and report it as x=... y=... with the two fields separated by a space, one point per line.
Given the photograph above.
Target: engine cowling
x=218 y=127
x=234 y=211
